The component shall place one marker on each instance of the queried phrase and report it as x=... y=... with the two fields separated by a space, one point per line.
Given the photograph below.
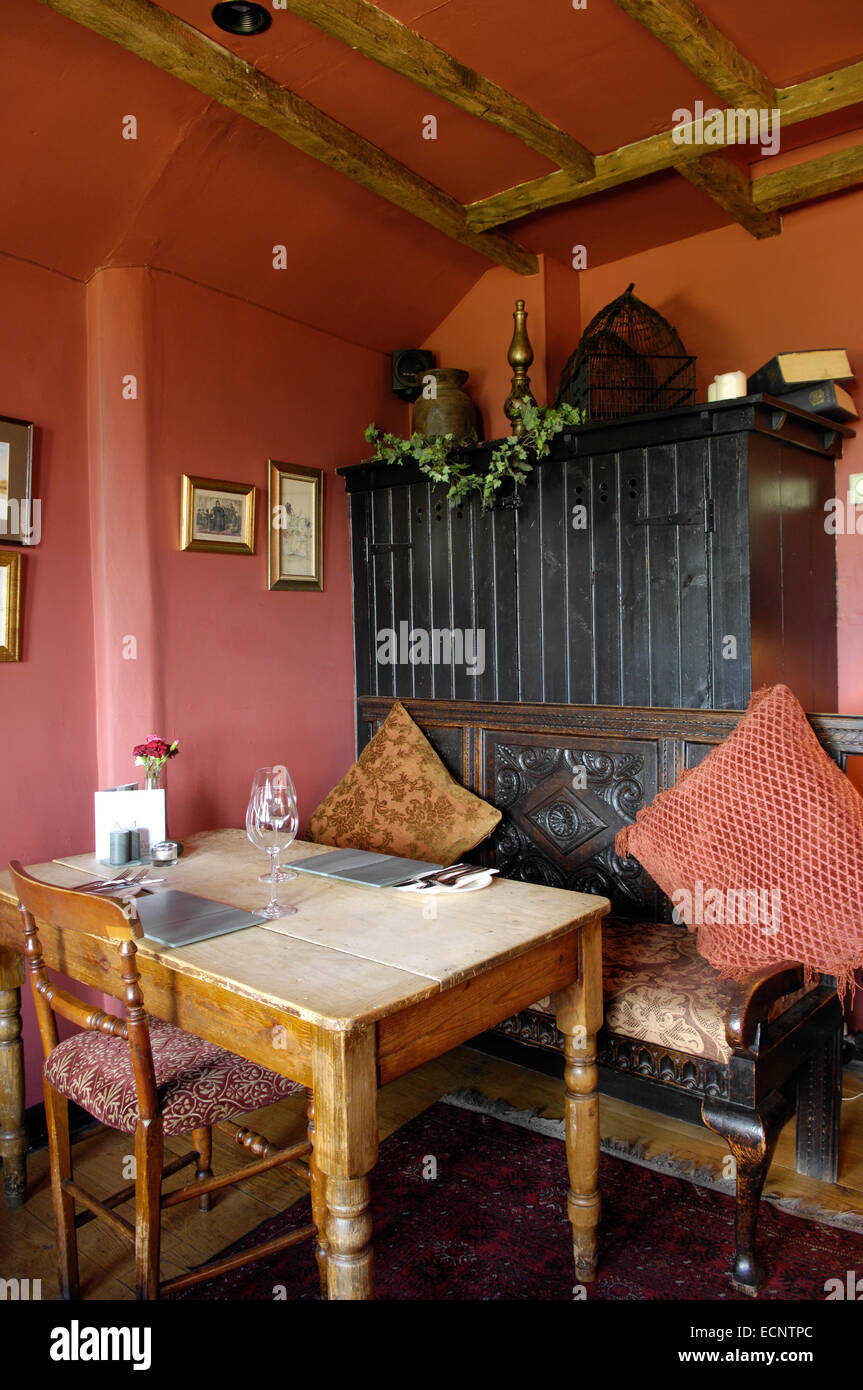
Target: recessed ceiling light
x=238 y=17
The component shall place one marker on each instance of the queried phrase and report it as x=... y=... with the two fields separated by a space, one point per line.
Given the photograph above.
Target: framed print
x=217 y=516
x=16 y=483
x=10 y=606
x=296 y=526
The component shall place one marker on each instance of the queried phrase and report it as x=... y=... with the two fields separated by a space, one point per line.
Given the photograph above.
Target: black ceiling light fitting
x=238 y=17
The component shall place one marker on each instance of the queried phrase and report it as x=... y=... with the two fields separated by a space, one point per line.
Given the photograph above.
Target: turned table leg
x=318 y=1184
x=579 y=1016
x=13 y=1134
x=346 y=1145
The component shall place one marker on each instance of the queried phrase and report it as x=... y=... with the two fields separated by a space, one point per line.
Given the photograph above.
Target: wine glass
x=261 y=777
x=271 y=824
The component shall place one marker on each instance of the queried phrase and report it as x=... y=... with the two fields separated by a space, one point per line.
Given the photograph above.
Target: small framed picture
x=10 y=606
x=217 y=516
x=296 y=526
x=17 y=523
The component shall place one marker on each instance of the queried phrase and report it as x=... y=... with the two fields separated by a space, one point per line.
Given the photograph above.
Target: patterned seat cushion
x=198 y=1083
x=658 y=989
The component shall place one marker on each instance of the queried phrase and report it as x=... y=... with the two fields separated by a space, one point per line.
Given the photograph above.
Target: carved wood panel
x=563 y=801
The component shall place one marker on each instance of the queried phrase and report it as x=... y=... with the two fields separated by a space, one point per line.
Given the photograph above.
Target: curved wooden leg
x=13 y=1133
x=751 y=1135
x=60 y=1159
x=202 y=1140
x=579 y=1015
x=318 y=1185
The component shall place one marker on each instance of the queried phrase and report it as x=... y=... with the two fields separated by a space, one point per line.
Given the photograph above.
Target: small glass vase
x=153 y=781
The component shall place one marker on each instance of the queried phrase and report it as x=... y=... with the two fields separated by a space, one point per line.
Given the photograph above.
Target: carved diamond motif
x=565 y=820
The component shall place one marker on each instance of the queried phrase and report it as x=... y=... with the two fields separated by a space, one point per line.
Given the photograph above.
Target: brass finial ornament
x=519 y=357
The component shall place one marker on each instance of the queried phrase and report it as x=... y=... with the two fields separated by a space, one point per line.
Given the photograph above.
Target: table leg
x=13 y=1134
x=579 y=1016
x=346 y=1145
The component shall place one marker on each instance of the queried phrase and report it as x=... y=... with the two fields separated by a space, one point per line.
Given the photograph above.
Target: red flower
x=155 y=749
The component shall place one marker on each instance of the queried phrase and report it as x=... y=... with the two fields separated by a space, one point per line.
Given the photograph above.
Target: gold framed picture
x=296 y=526
x=10 y=606
x=217 y=516
x=17 y=523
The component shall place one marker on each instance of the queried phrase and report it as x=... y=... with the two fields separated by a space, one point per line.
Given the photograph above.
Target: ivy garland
x=513 y=458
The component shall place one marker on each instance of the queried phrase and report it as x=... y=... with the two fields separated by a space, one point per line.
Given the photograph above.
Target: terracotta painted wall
x=48 y=755
x=476 y=336
x=251 y=676
x=240 y=675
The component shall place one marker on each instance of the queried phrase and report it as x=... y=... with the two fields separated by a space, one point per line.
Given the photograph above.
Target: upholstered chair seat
x=658 y=989
x=198 y=1083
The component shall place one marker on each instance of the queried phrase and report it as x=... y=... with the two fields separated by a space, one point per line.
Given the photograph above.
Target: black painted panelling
x=552 y=507
x=363 y=605
x=636 y=608
x=528 y=559
x=579 y=567
x=694 y=497
x=503 y=524
x=421 y=614
x=729 y=565
x=636 y=631
x=441 y=593
x=606 y=579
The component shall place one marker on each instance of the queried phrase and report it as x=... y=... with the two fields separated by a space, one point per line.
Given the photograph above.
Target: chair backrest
x=70 y=911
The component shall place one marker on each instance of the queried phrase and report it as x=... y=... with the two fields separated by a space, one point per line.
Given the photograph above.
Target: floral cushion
x=398 y=798
x=658 y=989
x=198 y=1083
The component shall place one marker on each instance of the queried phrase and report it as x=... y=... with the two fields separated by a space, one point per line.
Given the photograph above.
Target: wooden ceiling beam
x=168 y=43
x=377 y=35
x=731 y=187
x=803 y=102
x=814 y=178
x=705 y=51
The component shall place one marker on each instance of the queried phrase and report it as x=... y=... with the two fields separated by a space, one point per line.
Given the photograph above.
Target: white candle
x=729 y=385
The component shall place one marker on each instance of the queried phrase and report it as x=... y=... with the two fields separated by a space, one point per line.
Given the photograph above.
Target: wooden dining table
x=357 y=987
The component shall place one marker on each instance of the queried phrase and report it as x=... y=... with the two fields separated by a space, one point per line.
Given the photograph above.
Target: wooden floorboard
x=191 y=1237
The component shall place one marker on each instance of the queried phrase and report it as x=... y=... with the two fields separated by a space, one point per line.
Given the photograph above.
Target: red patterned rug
x=468 y=1206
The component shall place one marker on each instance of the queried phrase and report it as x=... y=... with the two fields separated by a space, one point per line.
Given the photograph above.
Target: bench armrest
x=751 y=1001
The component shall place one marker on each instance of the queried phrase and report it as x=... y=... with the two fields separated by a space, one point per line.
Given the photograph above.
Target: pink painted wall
x=251 y=676
x=240 y=675
x=48 y=762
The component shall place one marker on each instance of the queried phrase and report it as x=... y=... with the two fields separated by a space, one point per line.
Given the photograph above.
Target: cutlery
x=113 y=885
x=433 y=875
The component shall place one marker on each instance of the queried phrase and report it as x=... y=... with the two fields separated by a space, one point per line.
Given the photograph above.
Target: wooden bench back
x=526 y=760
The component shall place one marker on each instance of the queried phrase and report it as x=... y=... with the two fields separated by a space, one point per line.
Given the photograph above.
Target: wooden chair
x=150 y=1079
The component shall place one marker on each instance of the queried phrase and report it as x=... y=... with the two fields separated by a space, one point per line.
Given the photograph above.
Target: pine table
x=356 y=988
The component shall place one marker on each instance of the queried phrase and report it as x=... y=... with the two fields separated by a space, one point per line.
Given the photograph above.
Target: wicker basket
x=629 y=360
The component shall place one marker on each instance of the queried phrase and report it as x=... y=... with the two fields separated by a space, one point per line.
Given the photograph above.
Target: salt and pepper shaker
x=165 y=852
x=119 y=847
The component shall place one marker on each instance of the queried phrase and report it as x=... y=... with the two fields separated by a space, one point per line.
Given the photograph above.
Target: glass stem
x=274 y=869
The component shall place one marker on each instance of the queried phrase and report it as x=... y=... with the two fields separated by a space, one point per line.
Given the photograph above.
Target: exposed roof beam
x=377 y=35
x=705 y=51
x=731 y=187
x=814 y=178
x=802 y=102
x=166 y=41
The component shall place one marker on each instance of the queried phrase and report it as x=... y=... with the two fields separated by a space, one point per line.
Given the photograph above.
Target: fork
x=104 y=885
